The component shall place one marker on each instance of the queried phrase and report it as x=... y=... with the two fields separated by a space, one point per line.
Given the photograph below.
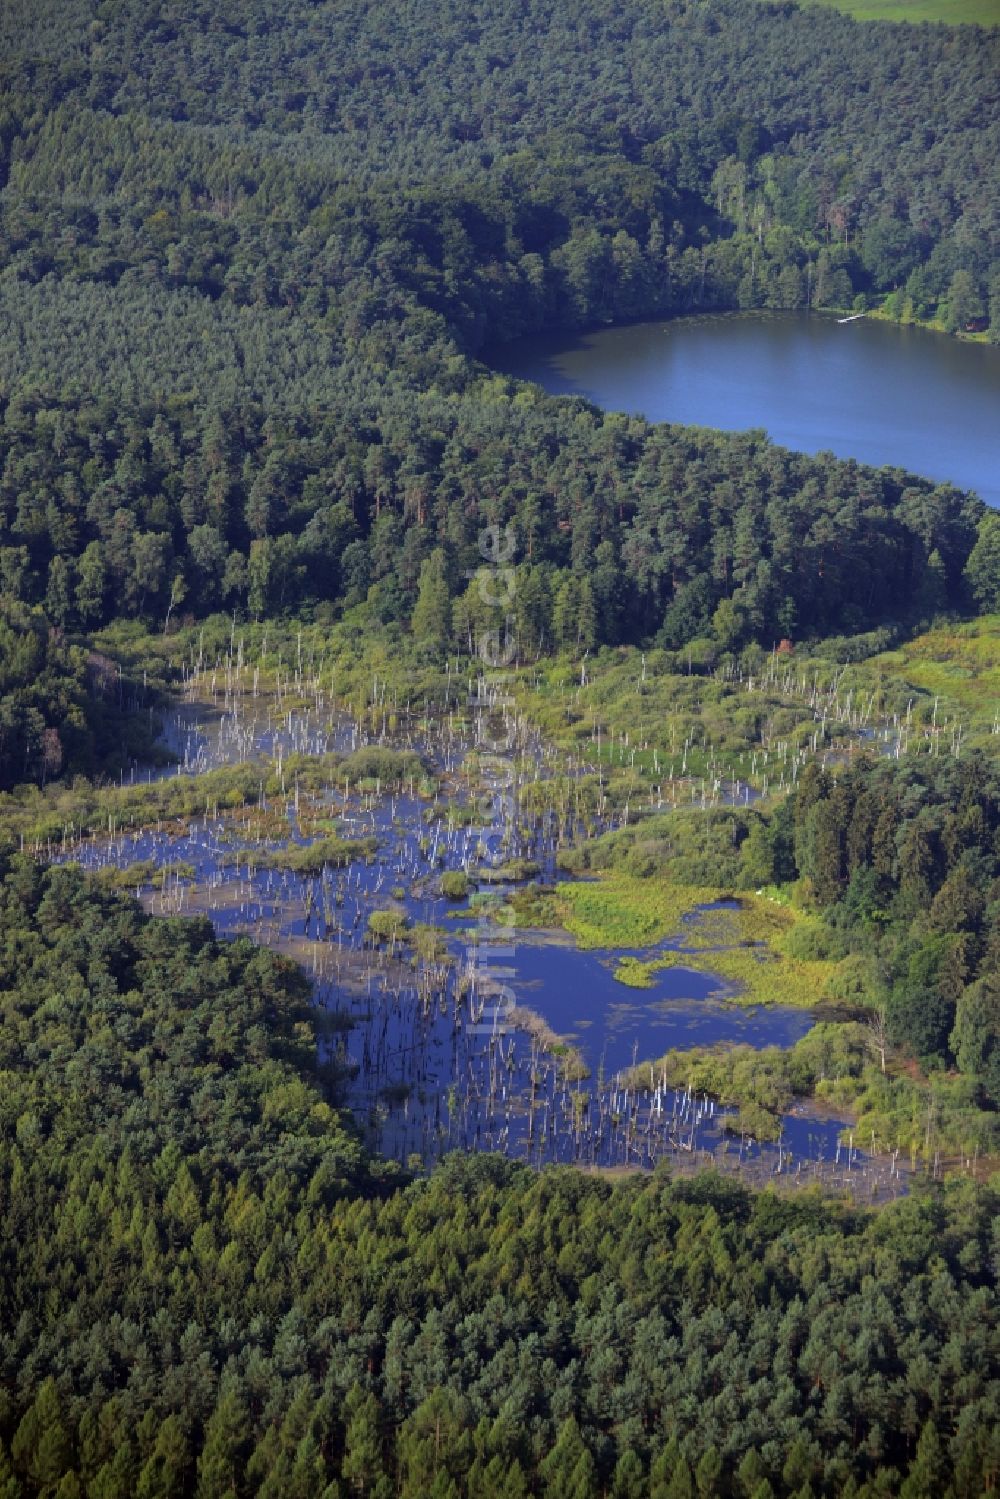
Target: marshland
x=465 y=876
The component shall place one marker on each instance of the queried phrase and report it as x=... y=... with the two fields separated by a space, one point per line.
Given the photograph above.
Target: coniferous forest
x=208 y=1288
x=254 y=257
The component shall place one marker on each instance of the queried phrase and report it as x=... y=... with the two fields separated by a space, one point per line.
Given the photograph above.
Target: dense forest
x=272 y=236
x=625 y=531
x=508 y=164
x=253 y=257
x=905 y=862
x=207 y=1288
x=65 y=711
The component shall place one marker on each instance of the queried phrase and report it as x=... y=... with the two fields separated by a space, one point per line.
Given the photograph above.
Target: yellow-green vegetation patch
x=622 y=911
x=306 y=858
x=749 y=920
x=752 y=976
x=635 y=974
x=763 y=976
x=957 y=664
x=145 y=872
x=640 y=973
x=761 y=950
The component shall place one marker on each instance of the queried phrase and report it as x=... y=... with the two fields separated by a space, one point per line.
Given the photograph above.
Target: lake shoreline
x=876 y=392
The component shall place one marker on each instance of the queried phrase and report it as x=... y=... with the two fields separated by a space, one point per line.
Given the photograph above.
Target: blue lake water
x=874 y=391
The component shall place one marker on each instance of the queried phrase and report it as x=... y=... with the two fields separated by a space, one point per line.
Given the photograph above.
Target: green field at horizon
x=953 y=12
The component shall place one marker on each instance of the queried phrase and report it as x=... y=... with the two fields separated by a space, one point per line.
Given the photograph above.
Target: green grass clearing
x=952 y=12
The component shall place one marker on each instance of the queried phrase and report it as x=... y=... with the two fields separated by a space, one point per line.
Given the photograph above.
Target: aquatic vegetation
x=387 y=926
x=256 y=823
x=571 y=1064
x=257 y=793
x=56 y=813
x=379 y=767
x=755 y=977
x=744 y=942
x=429 y=943
x=454 y=884
x=765 y=976
x=744 y=920
x=306 y=858
x=834 y=1064
x=457 y=813
x=145 y=873
x=635 y=974
x=512 y=871
x=531 y=906
x=619 y=910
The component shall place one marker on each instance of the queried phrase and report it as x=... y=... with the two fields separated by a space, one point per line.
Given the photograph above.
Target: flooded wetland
x=388 y=865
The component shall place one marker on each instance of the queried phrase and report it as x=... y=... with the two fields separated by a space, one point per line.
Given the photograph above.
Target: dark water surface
x=874 y=391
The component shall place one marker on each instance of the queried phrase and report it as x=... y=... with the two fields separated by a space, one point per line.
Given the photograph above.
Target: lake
x=869 y=390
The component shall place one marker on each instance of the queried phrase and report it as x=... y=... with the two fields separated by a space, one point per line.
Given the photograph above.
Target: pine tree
x=662 y=1470
x=982 y=570
x=564 y=612
x=629 y=1480
x=59 y=593
x=927 y=1478
x=681 y=1485
x=708 y=1473
x=165 y=1472
x=220 y=1462
x=586 y=617
x=91 y=584
x=750 y=1473
x=566 y=1464
x=10 y=1486
x=362 y=1463
x=431 y=623
x=42 y=1448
